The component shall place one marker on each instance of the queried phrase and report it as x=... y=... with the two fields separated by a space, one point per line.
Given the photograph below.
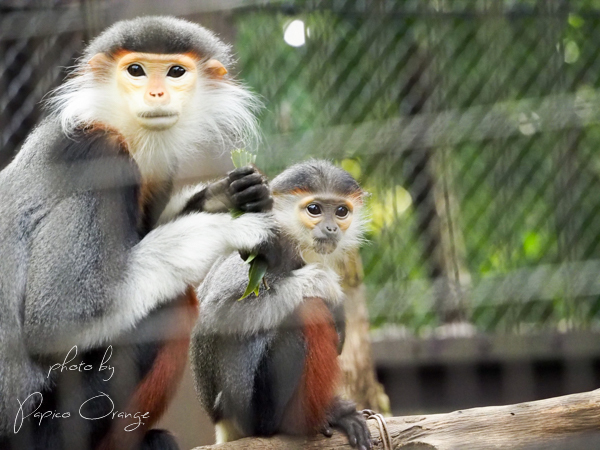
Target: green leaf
x=251 y=258
x=241 y=158
x=257 y=271
x=258 y=266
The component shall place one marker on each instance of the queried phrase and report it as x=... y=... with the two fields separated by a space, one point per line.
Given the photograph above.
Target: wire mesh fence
x=473 y=124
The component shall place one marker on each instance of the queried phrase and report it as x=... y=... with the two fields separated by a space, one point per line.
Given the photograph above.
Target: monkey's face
x=326 y=219
x=156 y=87
x=319 y=207
x=154 y=91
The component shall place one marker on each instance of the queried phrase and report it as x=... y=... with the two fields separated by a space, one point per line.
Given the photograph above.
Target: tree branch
x=569 y=422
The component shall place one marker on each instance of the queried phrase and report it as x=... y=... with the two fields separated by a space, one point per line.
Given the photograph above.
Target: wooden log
x=570 y=422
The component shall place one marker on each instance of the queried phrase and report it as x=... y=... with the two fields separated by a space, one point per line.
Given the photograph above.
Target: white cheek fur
x=285 y=208
x=219 y=113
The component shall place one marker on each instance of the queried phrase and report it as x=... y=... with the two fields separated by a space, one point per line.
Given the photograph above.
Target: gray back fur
x=22 y=207
x=39 y=216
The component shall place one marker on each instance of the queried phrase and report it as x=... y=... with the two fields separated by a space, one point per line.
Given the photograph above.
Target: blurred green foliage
x=502 y=203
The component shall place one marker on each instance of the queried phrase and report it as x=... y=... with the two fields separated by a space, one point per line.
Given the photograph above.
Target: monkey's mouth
x=325 y=246
x=158 y=120
x=156 y=114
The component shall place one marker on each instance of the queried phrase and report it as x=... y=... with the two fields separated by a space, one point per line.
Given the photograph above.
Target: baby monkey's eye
x=313 y=209
x=175 y=72
x=135 y=70
x=342 y=212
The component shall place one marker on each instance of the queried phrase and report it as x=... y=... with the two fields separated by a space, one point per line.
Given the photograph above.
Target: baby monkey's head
x=319 y=206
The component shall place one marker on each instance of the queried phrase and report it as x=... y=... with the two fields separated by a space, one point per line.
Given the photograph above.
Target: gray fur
x=78 y=265
x=159 y=34
x=225 y=364
x=227 y=280
x=248 y=355
x=77 y=270
x=26 y=202
x=316 y=176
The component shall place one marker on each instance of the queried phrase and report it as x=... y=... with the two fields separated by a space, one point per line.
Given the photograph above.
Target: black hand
x=249 y=190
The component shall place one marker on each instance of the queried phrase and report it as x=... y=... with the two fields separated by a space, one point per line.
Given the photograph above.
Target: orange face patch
x=158 y=76
x=311 y=220
x=155 y=88
x=345 y=222
x=307 y=220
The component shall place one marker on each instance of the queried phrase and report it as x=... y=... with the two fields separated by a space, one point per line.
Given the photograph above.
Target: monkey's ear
x=215 y=69
x=100 y=63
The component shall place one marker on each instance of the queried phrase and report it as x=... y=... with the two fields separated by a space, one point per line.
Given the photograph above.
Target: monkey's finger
x=327 y=431
x=217 y=188
x=346 y=426
x=362 y=433
x=219 y=185
x=252 y=194
x=260 y=206
x=357 y=433
x=246 y=182
x=352 y=440
x=236 y=174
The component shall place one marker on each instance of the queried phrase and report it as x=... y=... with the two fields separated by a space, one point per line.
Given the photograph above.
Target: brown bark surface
x=569 y=422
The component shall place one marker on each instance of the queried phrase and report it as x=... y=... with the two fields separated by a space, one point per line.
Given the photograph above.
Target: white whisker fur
x=205 y=121
x=296 y=230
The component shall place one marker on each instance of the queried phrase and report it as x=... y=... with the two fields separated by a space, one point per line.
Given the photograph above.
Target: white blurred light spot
x=529 y=124
x=294 y=33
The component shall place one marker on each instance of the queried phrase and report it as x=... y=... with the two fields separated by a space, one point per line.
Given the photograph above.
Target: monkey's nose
x=156 y=96
x=331 y=229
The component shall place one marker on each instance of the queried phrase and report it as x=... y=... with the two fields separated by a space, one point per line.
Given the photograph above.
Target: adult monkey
x=95 y=247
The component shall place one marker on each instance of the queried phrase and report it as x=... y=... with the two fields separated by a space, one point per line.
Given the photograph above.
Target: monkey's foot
x=344 y=416
x=159 y=440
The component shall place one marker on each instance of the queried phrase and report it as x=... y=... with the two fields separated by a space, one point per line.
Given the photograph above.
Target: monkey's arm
x=219 y=294
x=90 y=276
x=77 y=297
x=245 y=189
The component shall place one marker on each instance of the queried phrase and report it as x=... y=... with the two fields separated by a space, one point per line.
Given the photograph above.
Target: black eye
x=341 y=212
x=313 y=209
x=135 y=70
x=176 y=72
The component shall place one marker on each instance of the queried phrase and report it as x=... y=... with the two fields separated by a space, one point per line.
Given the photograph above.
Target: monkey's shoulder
x=48 y=140
x=91 y=158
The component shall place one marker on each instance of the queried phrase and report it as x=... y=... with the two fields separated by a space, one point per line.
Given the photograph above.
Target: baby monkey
x=268 y=364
